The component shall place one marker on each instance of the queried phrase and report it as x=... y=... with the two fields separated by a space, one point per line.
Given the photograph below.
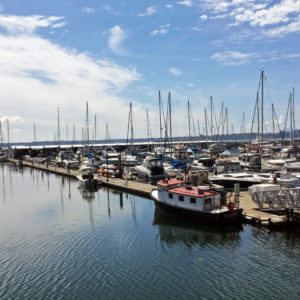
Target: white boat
x=110 y=156
x=228 y=173
x=180 y=198
x=86 y=176
x=151 y=168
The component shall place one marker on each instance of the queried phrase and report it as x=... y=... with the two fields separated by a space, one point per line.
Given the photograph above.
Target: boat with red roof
x=203 y=203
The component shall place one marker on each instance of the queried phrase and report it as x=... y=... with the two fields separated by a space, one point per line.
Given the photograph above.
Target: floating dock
x=251 y=214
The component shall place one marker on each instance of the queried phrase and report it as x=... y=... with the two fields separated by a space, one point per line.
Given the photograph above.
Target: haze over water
x=57 y=241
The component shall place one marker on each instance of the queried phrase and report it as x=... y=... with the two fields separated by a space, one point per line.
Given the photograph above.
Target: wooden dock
x=251 y=214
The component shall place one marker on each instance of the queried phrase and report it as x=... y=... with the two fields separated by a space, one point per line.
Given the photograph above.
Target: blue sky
x=64 y=53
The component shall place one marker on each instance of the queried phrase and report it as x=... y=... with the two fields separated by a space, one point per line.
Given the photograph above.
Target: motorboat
x=151 y=168
x=110 y=156
x=201 y=202
x=86 y=176
x=228 y=173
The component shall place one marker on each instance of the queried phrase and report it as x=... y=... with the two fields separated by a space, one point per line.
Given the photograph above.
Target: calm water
x=57 y=241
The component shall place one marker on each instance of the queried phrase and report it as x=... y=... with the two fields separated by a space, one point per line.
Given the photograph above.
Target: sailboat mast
x=1 y=135
x=67 y=132
x=131 y=127
x=258 y=122
x=148 y=129
x=34 y=134
x=291 y=118
x=73 y=133
x=205 y=114
x=262 y=107
x=273 y=123
x=87 y=124
x=226 y=117
x=95 y=129
x=58 y=127
x=294 y=115
x=189 y=120
x=170 y=116
x=211 y=116
x=159 y=106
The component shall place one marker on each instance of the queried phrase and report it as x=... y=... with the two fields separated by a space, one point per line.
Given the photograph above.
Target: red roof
x=193 y=192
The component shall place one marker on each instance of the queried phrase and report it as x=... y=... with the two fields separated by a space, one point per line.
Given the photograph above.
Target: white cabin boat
x=179 y=198
x=151 y=168
x=86 y=176
x=228 y=173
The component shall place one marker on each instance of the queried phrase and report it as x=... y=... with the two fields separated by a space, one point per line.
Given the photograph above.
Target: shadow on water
x=173 y=229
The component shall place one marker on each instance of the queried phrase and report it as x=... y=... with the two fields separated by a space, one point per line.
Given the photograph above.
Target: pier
x=251 y=214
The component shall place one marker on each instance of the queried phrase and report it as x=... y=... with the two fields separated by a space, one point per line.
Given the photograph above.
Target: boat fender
x=230 y=206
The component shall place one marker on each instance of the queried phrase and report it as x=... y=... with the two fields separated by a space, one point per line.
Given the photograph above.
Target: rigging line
x=253 y=120
x=287 y=113
x=215 y=117
x=278 y=125
x=218 y=126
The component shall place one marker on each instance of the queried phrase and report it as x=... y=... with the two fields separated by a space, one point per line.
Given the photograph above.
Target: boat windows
x=193 y=200
x=181 y=198
x=170 y=196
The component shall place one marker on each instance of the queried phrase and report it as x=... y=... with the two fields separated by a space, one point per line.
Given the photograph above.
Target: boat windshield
x=155 y=162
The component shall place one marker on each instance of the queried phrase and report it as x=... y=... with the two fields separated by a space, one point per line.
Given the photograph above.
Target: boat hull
x=230 y=183
x=88 y=182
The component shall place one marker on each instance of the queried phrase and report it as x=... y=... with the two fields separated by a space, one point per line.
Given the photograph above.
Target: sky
x=64 y=53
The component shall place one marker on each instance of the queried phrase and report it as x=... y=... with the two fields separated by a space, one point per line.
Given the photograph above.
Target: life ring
x=230 y=206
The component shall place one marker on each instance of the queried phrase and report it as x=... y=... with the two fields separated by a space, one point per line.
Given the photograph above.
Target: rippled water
x=57 y=241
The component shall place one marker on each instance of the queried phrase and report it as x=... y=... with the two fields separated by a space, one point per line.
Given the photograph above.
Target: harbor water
x=58 y=241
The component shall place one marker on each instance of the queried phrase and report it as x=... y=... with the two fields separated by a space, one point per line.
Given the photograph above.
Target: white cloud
x=232 y=58
x=88 y=10
x=116 y=37
x=170 y=6
x=28 y=24
x=281 y=31
x=148 y=12
x=163 y=29
x=196 y=28
x=175 y=72
x=186 y=3
x=203 y=17
x=12 y=119
x=111 y=10
x=275 y=14
x=33 y=86
x=282 y=15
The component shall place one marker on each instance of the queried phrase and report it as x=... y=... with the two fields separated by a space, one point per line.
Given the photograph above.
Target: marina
x=149 y=150
x=105 y=243
x=251 y=214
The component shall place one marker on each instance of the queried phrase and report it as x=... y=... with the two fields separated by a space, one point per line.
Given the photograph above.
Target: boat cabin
x=183 y=195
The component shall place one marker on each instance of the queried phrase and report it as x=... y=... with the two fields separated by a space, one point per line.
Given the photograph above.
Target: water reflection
x=173 y=229
x=88 y=194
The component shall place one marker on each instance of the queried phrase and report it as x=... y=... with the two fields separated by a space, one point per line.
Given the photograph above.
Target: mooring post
x=237 y=195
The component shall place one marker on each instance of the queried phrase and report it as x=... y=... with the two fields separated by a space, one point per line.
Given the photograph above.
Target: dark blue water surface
x=60 y=242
